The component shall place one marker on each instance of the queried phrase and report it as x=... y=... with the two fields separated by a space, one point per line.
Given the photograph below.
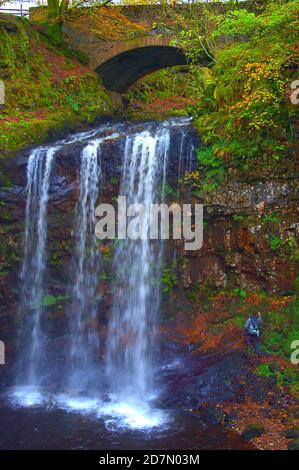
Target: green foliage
x=212 y=167
x=287 y=375
x=240 y=293
x=275 y=242
x=295 y=255
x=50 y=299
x=171 y=192
x=105 y=276
x=72 y=102
x=238 y=218
x=160 y=94
x=263 y=370
x=241 y=100
x=272 y=218
x=41 y=96
x=281 y=328
x=168 y=280
x=288 y=244
x=239 y=321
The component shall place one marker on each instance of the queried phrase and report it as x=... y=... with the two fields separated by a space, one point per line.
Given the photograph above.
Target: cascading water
x=138 y=268
x=84 y=340
x=137 y=265
x=32 y=340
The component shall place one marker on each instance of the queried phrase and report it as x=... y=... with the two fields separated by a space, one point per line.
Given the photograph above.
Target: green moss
x=239 y=321
x=280 y=329
x=288 y=375
x=168 y=280
x=42 y=94
x=50 y=300
x=105 y=276
x=263 y=370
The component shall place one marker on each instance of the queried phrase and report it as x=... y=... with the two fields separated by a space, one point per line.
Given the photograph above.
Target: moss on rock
x=45 y=91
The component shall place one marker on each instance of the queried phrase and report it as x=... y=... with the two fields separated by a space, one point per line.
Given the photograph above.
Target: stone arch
x=123 y=68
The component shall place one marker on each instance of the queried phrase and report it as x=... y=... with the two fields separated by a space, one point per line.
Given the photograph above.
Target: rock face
x=203 y=381
x=250 y=238
x=194 y=382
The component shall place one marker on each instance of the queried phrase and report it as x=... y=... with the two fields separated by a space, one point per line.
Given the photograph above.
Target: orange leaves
x=279 y=302
x=204 y=337
x=254 y=298
x=107 y=23
x=164 y=105
x=218 y=325
x=275 y=421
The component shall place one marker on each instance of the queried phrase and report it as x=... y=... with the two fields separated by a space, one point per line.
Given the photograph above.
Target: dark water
x=41 y=428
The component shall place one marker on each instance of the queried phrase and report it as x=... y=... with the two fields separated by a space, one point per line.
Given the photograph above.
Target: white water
x=137 y=263
x=84 y=339
x=39 y=169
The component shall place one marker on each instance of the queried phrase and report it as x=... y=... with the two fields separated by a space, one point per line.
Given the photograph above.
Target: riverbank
x=212 y=375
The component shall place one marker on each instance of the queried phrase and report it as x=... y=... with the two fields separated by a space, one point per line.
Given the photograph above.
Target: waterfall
x=79 y=379
x=32 y=340
x=84 y=339
x=137 y=272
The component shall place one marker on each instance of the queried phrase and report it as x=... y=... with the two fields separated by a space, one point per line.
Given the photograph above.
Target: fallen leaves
x=275 y=421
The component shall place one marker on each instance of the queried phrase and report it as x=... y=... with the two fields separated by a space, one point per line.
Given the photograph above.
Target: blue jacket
x=252 y=325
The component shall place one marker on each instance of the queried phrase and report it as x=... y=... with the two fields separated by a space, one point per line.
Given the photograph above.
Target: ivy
x=168 y=280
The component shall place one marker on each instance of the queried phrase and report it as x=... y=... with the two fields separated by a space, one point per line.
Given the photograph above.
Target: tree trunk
x=53 y=8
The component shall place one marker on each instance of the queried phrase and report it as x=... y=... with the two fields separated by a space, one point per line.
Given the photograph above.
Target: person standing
x=252 y=332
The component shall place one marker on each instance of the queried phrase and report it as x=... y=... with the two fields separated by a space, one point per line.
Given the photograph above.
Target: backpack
x=252 y=327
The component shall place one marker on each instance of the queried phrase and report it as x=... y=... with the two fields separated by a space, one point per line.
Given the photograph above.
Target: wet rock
x=240 y=398
x=253 y=430
x=294 y=412
x=267 y=412
x=272 y=381
x=292 y=433
x=230 y=418
x=274 y=367
x=294 y=445
x=220 y=382
x=257 y=389
x=236 y=195
x=214 y=416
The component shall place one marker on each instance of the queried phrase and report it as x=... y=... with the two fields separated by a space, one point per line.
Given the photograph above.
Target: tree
x=59 y=7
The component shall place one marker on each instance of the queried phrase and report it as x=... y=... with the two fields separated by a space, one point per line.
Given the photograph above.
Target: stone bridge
x=128 y=61
x=122 y=43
